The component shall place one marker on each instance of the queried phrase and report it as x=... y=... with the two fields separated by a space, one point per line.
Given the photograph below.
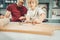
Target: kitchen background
x=52 y=15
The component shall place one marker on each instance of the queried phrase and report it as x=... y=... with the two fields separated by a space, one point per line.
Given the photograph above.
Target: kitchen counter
x=44 y=28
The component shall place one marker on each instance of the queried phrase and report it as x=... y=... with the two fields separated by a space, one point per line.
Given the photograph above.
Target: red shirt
x=16 y=11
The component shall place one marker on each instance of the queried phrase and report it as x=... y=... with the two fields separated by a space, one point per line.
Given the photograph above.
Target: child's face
x=32 y=4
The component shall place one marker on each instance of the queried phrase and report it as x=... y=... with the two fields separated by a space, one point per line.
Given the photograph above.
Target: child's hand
x=21 y=18
x=36 y=21
x=27 y=21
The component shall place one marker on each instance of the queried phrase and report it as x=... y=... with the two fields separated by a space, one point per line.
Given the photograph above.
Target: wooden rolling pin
x=44 y=29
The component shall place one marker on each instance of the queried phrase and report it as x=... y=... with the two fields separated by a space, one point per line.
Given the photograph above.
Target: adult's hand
x=22 y=18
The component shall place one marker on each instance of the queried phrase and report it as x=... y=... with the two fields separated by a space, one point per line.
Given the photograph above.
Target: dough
x=4 y=22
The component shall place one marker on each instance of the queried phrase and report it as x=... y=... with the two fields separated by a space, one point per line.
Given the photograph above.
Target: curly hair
x=36 y=1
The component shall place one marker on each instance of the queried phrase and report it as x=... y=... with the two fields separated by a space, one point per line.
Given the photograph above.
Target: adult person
x=17 y=11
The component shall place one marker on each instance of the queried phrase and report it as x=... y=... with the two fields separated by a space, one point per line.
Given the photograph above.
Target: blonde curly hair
x=36 y=1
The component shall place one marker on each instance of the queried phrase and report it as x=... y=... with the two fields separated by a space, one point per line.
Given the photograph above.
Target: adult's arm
x=7 y=15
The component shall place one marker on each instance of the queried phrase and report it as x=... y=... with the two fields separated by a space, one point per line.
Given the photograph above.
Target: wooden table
x=44 y=29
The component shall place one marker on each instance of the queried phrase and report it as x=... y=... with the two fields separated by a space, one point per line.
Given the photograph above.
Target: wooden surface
x=44 y=29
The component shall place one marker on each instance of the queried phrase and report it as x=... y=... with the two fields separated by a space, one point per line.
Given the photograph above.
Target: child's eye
x=31 y=2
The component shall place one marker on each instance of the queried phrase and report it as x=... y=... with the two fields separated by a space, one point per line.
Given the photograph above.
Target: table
x=42 y=29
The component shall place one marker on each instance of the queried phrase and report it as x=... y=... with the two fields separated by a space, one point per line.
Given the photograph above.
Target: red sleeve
x=9 y=7
x=24 y=10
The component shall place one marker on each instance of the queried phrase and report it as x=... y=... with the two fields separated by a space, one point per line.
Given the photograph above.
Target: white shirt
x=34 y=13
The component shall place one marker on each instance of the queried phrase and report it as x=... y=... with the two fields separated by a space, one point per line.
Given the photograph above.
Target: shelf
x=56 y=8
x=10 y=1
x=1 y=5
x=5 y=3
